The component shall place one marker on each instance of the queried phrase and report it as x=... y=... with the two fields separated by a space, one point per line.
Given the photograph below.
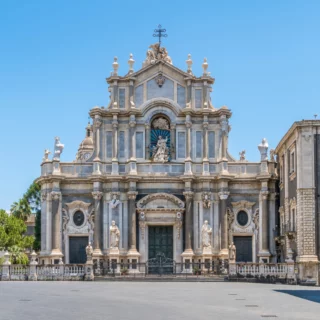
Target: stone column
x=56 y=223
x=205 y=169
x=188 y=149
x=147 y=150
x=224 y=135
x=44 y=221
x=115 y=138
x=97 y=196
x=173 y=141
x=97 y=160
x=188 y=163
x=188 y=221
x=132 y=221
x=133 y=165
x=223 y=195
x=264 y=252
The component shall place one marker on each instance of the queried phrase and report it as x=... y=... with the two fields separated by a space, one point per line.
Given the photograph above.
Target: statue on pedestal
x=232 y=252
x=89 y=252
x=206 y=232
x=114 y=236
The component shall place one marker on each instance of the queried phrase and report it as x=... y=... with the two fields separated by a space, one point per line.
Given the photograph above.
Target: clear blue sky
x=55 y=55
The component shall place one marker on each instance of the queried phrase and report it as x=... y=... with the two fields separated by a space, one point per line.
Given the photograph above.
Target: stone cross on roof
x=160 y=33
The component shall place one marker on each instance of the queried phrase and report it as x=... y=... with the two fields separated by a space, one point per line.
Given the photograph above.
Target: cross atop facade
x=160 y=33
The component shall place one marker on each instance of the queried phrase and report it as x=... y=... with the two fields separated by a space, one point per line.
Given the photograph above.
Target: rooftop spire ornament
x=160 y=33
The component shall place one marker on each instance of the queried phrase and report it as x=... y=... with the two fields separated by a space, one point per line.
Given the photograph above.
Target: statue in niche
x=161 y=151
x=114 y=236
x=232 y=252
x=114 y=203
x=206 y=233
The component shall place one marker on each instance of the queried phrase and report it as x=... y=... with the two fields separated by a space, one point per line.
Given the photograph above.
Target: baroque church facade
x=154 y=176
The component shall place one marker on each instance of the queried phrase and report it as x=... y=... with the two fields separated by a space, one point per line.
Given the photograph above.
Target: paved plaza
x=155 y=300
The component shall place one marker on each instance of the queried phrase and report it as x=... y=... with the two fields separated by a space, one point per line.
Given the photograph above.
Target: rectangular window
x=121 y=144
x=139 y=144
x=181 y=145
x=292 y=162
x=198 y=144
x=122 y=98
x=181 y=92
x=211 y=144
x=138 y=96
x=109 y=144
x=198 y=98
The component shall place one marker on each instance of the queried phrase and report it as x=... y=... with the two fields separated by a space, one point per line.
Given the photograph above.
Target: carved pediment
x=243 y=204
x=160 y=201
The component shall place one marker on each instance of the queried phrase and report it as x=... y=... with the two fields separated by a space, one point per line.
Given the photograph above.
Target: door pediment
x=156 y=201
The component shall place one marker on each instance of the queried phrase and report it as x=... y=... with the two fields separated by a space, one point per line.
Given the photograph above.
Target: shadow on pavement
x=311 y=295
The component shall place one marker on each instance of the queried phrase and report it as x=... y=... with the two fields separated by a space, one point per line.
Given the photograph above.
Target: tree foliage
x=12 y=232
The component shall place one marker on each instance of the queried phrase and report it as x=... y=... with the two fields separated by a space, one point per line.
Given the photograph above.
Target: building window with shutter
x=198 y=144
x=122 y=144
x=122 y=98
x=211 y=144
x=109 y=144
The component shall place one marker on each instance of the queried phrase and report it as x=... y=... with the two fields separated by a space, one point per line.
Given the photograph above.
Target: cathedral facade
x=154 y=176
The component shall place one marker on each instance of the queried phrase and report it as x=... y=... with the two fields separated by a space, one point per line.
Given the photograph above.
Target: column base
x=133 y=257
x=115 y=167
x=308 y=270
x=55 y=256
x=132 y=167
x=264 y=256
x=187 y=256
x=187 y=168
x=224 y=254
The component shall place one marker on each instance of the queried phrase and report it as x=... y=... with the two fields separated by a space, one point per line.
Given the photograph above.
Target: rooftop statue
x=156 y=53
x=58 y=148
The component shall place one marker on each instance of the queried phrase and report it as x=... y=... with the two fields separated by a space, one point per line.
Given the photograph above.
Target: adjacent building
x=298 y=155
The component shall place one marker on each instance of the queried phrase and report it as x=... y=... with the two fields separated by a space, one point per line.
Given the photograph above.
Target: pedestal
x=89 y=275
x=187 y=256
x=133 y=257
x=308 y=266
x=264 y=256
x=206 y=255
x=97 y=255
x=55 y=256
x=114 y=256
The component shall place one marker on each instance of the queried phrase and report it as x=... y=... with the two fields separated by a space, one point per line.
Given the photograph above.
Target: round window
x=78 y=218
x=242 y=218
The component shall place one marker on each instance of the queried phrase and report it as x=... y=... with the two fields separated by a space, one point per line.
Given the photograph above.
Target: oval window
x=242 y=218
x=78 y=218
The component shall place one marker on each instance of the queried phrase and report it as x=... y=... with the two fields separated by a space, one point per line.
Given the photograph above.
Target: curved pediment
x=161 y=105
x=160 y=201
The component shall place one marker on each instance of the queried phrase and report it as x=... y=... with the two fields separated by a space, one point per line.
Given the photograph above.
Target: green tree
x=33 y=197
x=13 y=237
x=21 y=209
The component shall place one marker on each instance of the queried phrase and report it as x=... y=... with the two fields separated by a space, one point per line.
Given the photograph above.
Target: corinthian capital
x=188 y=195
x=223 y=195
x=264 y=195
x=97 y=123
x=97 y=195
x=55 y=195
x=132 y=195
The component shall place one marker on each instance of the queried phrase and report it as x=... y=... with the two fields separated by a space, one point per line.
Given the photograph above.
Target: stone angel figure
x=58 y=149
x=114 y=203
x=46 y=155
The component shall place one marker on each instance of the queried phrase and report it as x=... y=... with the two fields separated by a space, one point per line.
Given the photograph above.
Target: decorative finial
x=115 y=66
x=131 y=63
x=189 y=64
x=205 y=67
x=160 y=33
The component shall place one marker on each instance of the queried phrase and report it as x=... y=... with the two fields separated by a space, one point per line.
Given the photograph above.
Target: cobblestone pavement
x=154 y=300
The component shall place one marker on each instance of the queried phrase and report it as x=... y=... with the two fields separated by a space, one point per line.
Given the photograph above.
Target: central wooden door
x=77 y=250
x=160 y=241
x=243 y=248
